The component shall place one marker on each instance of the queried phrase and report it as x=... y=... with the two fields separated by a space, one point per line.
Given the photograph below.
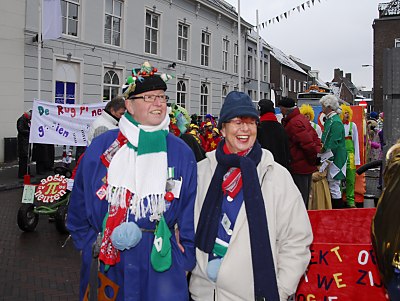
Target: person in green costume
x=333 y=153
x=353 y=152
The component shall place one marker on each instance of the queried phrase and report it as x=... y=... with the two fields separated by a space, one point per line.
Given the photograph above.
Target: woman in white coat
x=252 y=229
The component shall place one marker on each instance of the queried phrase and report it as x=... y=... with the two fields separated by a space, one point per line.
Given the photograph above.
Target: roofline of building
x=230 y=14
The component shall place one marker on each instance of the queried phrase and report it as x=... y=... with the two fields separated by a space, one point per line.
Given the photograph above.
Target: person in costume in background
x=271 y=134
x=23 y=128
x=304 y=146
x=216 y=138
x=208 y=118
x=308 y=112
x=179 y=125
x=333 y=153
x=353 y=152
x=386 y=225
x=373 y=145
x=194 y=131
x=133 y=186
x=109 y=118
x=253 y=232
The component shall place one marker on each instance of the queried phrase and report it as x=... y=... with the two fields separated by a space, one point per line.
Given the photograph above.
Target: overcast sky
x=331 y=34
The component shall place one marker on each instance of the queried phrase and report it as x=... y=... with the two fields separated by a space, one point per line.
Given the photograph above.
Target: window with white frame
x=225 y=54
x=205 y=48
x=294 y=86
x=224 y=92
x=113 y=20
x=183 y=42
x=249 y=65
x=67 y=79
x=70 y=17
x=235 y=58
x=289 y=84
x=250 y=93
x=265 y=71
x=111 y=84
x=300 y=86
x=151 y=32
x=397 y=43
x=284 y=85
x=204 y=96
x=255 y=67
x=65 y=92
x=181 y=92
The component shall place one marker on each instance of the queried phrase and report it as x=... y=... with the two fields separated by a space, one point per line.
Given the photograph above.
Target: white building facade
x=102 y=40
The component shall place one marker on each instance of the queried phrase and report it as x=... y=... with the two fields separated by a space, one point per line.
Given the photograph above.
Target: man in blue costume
x=134 y=188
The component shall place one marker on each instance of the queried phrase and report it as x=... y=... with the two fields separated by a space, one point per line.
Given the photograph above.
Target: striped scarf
x=137 y=176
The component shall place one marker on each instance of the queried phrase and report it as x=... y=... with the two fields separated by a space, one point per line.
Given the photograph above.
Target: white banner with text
x=63 y=124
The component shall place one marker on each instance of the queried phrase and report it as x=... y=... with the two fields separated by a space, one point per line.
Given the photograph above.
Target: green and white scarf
x=140 y=167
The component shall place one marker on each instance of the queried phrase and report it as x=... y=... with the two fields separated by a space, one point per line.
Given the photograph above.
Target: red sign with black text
x=343 y=264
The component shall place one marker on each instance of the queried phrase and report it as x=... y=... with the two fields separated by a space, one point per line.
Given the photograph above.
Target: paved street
x=34 y=265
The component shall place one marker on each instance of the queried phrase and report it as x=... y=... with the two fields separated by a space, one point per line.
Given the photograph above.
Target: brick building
x=287 y=77
x=386 y=35
x=346 y=90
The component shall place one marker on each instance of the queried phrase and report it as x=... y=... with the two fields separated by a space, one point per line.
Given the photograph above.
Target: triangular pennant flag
x=302 y=6
x=312 y=1
x=262 y=25
x=308 y=3
x=319 y=1
x=277 y=19
x=285 y=15
x=288 y=13
x=281 y=16
x=298 y=8
x=269 y=21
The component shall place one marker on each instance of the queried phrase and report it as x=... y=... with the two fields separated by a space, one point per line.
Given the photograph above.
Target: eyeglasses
x=151 y=98
x=250 y=122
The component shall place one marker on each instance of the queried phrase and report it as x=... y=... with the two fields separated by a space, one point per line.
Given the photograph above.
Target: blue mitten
x=126 y=236
x=213 y=268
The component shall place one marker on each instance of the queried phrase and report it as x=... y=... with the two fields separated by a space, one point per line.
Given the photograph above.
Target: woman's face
x=240 y=133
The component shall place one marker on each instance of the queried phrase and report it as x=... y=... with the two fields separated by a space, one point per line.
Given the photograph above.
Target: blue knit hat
x=237 y=104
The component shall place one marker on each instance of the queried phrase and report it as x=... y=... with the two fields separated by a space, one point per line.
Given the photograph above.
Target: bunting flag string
x=299 y=8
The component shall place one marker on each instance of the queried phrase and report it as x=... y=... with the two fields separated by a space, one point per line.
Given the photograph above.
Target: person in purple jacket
x=131 y=208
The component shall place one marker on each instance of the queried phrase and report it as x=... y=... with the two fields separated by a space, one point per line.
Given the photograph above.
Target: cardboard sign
x=343 y=264
x=28 y=195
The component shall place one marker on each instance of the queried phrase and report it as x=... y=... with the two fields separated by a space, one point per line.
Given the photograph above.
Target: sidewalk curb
x=11 y=186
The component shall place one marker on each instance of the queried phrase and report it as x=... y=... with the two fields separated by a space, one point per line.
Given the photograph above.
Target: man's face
x=326 y=110
x=118 y=113
x=147 y=112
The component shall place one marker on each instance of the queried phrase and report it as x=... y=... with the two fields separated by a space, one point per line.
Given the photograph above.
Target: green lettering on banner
x=43 y=111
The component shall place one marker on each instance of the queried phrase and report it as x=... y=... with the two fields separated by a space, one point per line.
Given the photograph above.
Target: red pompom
x=169 y=196
x=155 y=70
x=151 y=73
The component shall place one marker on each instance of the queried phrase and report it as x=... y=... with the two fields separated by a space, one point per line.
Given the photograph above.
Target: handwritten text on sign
x=341 y=272
x=62 y=124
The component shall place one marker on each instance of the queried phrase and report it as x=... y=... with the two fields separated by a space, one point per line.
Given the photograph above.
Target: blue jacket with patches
x=134 y=274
